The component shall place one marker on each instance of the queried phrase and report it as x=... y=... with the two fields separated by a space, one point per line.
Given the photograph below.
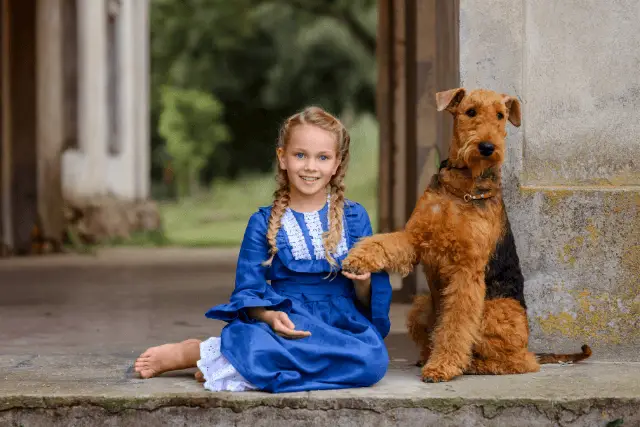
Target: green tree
x=356 y=16
x=263 y=60
x=190 y=124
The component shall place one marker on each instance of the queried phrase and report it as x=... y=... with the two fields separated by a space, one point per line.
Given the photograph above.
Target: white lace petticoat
x=219 y=374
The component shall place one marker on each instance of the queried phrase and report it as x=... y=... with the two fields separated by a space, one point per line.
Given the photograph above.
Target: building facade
x=75 y=110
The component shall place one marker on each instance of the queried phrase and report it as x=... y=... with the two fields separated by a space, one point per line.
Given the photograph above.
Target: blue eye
x=300 y=155
x=323 y=157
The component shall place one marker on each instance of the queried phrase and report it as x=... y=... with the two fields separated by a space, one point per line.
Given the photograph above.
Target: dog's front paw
x=365 y=257
x=353 y=265
x=436 y=374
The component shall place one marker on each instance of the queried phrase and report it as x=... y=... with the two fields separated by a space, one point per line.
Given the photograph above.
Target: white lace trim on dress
x=219 y=374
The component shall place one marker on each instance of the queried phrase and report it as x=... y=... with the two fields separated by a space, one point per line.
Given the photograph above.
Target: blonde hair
x=317 y=117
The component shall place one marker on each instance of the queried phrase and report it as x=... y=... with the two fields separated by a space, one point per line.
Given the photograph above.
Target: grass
x=219 y=217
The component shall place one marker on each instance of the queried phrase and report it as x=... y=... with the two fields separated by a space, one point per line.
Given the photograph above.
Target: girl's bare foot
x=199 y=376
x=168 y=357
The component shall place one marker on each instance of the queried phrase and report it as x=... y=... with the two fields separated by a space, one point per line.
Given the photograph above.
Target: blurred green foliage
x=252 y=63
x=191 y=126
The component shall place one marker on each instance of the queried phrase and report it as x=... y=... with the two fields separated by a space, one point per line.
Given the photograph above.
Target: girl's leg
x=168 y=357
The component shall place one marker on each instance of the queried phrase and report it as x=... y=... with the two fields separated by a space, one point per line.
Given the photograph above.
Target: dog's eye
x=471 y=112
x=500 y=116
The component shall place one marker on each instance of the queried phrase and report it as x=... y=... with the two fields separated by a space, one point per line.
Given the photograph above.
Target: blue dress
x=346 y=347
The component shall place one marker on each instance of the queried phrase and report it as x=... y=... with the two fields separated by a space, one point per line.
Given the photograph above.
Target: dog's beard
x=469 y=147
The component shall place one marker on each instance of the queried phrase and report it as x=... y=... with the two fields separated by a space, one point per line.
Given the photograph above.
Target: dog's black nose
x=486 y=148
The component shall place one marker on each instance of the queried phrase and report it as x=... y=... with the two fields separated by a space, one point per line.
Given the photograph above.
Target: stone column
x=141 y=97
x=572 y=173
x=49 y=130
x=92 y=106
x=122 y=165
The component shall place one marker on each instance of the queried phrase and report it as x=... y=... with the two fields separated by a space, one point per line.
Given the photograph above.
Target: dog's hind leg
x=502 y=348
x=385 y=251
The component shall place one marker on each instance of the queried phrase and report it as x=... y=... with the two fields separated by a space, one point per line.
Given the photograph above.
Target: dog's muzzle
x=486 y=148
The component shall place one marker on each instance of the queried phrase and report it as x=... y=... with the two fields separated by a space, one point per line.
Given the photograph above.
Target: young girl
x=294 y=322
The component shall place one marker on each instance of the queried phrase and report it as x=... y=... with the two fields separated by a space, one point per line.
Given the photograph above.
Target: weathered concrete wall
x=572 y=175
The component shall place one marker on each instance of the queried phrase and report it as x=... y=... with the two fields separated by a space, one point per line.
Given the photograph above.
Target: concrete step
x=99 y=390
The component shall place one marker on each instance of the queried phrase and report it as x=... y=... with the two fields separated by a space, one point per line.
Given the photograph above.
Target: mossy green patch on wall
x=598 y=319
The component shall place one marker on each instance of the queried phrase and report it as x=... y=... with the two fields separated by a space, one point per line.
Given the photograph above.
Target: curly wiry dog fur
x=474 y=320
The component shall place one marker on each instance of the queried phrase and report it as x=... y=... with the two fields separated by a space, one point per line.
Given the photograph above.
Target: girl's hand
x=282 y=325
x=358 y=277
x=362 y=284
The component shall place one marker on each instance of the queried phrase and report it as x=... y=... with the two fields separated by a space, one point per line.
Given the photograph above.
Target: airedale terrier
x=474 y=320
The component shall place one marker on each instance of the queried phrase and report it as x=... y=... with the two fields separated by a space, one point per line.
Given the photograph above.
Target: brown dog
x=474 y=320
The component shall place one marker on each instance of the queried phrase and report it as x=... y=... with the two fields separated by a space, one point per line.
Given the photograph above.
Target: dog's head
x=479 y=130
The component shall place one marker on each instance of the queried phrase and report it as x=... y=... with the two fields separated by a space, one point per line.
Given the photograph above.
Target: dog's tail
x=544 y=358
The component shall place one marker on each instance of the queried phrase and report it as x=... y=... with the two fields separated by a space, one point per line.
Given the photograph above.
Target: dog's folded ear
x=515 y=115
x=449 y=99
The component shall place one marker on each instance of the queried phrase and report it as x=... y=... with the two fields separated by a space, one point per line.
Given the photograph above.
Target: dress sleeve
x=251 y=287
x=381 y=292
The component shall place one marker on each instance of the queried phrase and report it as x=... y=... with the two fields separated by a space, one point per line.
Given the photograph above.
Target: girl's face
x=310 y=159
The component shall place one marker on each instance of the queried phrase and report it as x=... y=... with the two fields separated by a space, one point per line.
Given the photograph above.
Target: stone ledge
x=100 y=390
